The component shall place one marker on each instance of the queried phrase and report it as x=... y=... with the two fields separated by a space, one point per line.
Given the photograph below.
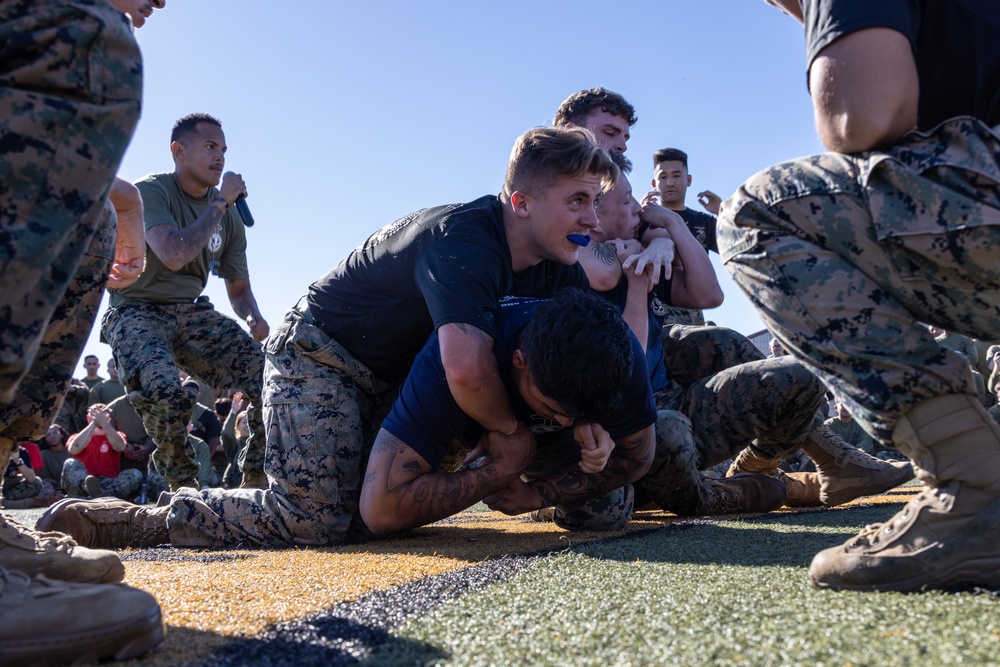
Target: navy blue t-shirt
x=427 y=418
x=657 y=302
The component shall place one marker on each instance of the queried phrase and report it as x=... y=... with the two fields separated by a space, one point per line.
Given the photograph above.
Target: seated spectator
x=108 y=390
x=235 y=433
x=54 y=455
x=220 y=459
x=203 y=424
x=844 y=425
x=138 y=445
x=995 y=410
x=95 y=469
x=776 y=348
x=21 y=486
x=964 y=346
x=202 y=455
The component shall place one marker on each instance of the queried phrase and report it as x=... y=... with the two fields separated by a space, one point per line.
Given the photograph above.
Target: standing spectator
x=91 y=364
x=72 y=413
x=192 y=233
x=671 y=180
x=776 y=348
x=109 y=389
x=95 y=468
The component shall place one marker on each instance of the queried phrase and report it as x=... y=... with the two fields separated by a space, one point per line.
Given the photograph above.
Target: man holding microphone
x=163 y=323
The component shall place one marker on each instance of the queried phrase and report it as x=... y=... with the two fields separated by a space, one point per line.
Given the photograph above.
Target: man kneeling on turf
x=574 y=374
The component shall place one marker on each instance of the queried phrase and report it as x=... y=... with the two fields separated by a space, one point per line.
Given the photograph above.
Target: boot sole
x=138 y=634
x=981 y=572
x=851 y=493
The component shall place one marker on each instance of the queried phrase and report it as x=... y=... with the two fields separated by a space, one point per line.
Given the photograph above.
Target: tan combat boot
x=745 y=493
x=946 y=536
x=108 y=524
x=803 y=487
x=845 y=472
x=50 y=622
x=55 y=556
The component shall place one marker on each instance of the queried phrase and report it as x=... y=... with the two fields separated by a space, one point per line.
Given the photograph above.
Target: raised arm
x=177 y=246
x=694 y=282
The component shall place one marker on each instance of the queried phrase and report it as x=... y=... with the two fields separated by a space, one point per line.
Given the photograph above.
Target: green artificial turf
x=726 y=593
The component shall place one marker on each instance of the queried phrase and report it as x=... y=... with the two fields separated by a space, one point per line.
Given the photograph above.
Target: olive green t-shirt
x=164 y=203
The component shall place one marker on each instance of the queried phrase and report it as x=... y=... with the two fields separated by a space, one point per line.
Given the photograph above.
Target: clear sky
x=343 y=116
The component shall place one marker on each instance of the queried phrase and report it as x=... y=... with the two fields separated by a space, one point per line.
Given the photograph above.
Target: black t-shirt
x=436 y=266
x=956 y=45
x=702 y=227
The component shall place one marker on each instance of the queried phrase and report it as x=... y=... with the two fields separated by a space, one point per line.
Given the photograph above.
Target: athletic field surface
x=482 y=588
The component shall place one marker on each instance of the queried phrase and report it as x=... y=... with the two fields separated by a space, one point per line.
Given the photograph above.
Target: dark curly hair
x=578 y=106
x=579 y=353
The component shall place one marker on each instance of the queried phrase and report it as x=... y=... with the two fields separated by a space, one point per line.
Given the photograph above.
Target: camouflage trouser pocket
x=935 y=204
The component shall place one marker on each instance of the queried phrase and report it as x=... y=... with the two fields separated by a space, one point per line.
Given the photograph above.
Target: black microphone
x=244 y=210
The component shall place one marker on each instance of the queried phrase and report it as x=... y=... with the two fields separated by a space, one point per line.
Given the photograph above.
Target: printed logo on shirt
x=657 y=307
x=215 y=241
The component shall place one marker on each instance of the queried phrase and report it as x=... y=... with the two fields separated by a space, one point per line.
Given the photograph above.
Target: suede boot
x=845 y=472
x=55 y=556
x=51 y=622
x=945 y=537
x=108 y=523
x=745 y=493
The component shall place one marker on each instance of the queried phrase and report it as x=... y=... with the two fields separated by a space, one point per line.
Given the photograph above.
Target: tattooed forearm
x=630 y=460
x=402 y=491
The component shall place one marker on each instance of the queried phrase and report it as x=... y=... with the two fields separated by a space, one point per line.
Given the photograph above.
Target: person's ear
x=519 y=360
x=520 y=203
x=177 y=150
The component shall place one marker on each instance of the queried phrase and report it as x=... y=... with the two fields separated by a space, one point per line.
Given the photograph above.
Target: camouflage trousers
x=769 y=403
x=322 y=410
x=845 y=255
x=125 y=486
x=151 y=342
x=19 y=493
x=70 y=86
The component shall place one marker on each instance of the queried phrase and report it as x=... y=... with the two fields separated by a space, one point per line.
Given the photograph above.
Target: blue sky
x=344 y=116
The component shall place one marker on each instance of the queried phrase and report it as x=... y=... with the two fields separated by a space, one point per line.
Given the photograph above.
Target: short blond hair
x=543 y=154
